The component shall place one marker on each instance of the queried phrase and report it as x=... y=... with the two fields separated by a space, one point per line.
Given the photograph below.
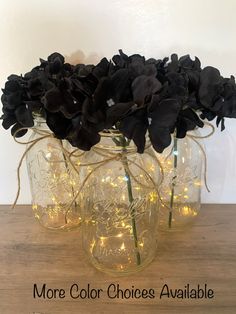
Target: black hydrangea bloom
x=125 y=87
x=135 y=127
x=217 y=95
x=171 y=108
x=157 y=97
x=17 y=111
x=64 y=93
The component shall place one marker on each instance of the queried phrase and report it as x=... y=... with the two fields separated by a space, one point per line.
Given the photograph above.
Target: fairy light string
x=174 y=151
x=109 y=156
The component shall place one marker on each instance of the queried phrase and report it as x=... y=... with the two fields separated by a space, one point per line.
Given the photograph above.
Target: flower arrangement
x=126 y=98
x=128 y=93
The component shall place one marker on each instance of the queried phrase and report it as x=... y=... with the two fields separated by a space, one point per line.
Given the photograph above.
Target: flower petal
x=117 y=112
x=160 y=137
x=144 y=86
x=15 y=130
x=101 y=69
x=135 y=127
x=8 y=121
x=211 y=86
x=24 y=116
x=163 y=120
x=58 y=124
x=53 y=100
x=56 y=56
x=83 y=139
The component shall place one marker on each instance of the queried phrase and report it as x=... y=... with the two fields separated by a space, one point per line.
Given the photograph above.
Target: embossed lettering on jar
x=120 y=205
x=181 y=188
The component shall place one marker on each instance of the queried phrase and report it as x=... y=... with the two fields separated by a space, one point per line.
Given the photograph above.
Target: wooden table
x=204 y=254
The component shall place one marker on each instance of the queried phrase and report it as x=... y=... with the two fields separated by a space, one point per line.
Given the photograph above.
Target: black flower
x=135 y=95
x=134 y=127
x=217 y=96
x=58 y=124
x=82 y=137
x=55 y=62
x=184 y=64
x=187 y=120
x=162 y=120
x=210 y=87
x=16 y=111
x=61 y=99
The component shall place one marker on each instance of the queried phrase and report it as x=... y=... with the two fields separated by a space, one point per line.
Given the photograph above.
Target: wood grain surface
x=204 y=253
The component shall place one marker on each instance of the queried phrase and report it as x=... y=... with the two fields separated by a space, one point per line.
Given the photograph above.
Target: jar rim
x=110 y=133
x=114 y=133
x=106 y=133
x=39 y=118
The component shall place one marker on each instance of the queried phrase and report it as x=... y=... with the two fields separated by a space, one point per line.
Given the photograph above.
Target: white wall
x=91 y=29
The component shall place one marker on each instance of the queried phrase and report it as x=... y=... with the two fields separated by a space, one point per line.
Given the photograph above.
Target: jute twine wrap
x=123 y=157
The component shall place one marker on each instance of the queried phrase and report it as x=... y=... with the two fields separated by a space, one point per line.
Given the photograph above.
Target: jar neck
x=114 y=141
x=40 y=124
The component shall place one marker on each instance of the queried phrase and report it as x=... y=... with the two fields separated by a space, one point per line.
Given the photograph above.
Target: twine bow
x=108 y=156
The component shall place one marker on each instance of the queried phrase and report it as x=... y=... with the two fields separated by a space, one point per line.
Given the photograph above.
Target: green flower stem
x=124 y=144
x=68 y=172
x=173 y=182
x=134 y=229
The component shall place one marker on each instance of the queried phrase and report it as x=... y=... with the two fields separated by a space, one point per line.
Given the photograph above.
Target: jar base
x=119 y=272
x=182 y=216
x=52 y=219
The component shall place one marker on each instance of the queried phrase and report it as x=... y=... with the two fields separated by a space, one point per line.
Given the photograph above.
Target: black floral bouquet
x=128 y=93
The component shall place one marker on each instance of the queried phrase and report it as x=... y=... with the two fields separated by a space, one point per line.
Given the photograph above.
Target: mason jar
x=54 y=182
x=180 y=190
x=120 y=205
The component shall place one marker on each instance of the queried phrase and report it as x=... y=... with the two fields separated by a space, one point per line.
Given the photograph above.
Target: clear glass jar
x=53 y=181
x=181 y=187
x=120 y=205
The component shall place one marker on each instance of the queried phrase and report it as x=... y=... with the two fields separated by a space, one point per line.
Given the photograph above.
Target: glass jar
x=53 y=181
x=181 y=188
x=120 y=205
